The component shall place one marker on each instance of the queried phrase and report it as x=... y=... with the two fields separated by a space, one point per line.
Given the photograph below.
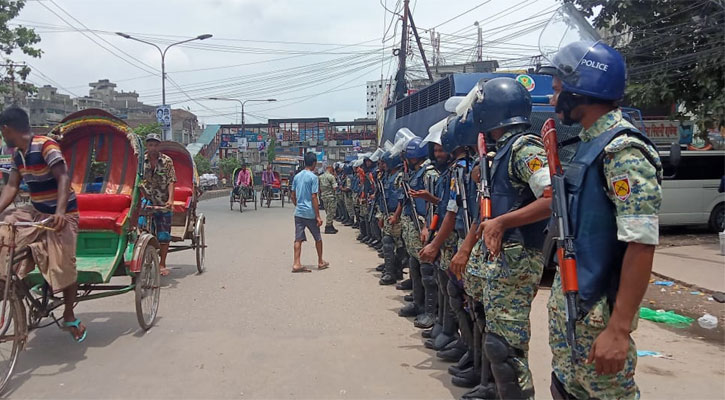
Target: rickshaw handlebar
x=43 y=224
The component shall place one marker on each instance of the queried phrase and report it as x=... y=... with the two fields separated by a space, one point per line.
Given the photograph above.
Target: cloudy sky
x=314 y=56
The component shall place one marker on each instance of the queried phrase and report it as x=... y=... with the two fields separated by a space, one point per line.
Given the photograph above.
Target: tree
x=228 y=165
x=272 y=148
x=145 y=129
x=12 y=39
x=203 y=166
x=675 y=52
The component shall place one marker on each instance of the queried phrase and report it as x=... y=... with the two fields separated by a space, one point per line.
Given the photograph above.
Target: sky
x=313 y=56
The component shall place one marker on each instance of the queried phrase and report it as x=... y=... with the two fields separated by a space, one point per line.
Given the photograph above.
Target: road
x=248 y=328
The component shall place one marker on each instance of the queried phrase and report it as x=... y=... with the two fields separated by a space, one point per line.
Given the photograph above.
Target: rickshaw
x=186 y=224
x=234 y=197
x=94 y=144
x=274 y=192
x=286 y=166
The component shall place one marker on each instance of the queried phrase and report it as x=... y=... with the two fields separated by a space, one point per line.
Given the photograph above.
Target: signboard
x=242 y=143
x=665 y=131
x=163 y=117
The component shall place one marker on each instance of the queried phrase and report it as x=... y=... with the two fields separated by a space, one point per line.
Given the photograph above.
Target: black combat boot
x=430 y=287
x=330 y=229
x=414 y=308
x=389 y=275
x=405 y=285
x=464 y=363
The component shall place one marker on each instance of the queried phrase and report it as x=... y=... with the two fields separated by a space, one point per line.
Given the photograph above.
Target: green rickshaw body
x=105 y=163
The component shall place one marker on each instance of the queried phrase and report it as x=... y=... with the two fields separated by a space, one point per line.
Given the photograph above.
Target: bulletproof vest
x=355 y=183
x=443 y=185
x=417 y=182
x=506 y=198
x=391 y=192
x=598 y=252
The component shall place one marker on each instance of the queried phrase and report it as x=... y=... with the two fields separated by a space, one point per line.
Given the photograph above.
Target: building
x=184 y=126
x=48 y=107
x=376 y=94
x=332 y=140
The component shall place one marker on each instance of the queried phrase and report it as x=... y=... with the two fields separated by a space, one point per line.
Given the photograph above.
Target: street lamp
x=242 y=103
x=163 y=64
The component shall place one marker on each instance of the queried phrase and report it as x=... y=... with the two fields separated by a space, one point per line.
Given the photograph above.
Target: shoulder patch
x=534 y=163
x=621 y=187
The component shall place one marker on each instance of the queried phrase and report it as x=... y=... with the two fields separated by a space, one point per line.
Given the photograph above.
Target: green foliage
x=272 y=148
x=203 y=166
x=675 y=52
x=145 y=129
x=12 y=39
x=228 y=165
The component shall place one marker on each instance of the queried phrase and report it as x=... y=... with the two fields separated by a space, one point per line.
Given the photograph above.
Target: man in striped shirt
x=39 y=162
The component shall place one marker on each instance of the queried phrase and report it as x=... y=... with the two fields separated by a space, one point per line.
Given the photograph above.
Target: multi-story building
x=376 y=94
x=48 y=107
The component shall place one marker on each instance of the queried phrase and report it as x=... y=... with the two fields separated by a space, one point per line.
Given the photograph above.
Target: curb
x=214 y=194
x=683 y=283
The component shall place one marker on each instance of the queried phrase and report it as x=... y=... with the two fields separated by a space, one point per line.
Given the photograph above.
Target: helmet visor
x=435 y=132
x=402 y=137
x=565 y=27
x=376 y=155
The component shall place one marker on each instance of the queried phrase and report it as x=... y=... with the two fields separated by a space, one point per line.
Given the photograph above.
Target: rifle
x=381 y=188
x=485 y=191
x=431 y=215
x=459 y=181
x=410 y=200
x=565 y=239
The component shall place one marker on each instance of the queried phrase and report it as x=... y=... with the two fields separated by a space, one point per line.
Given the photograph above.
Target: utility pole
x=401 y=87
x=11 y=73
x=479 y=43
x=420 y=47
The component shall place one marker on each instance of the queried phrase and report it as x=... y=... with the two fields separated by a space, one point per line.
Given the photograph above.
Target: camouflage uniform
x=348 y=197
x=328 y=184
x=410 y=233
x=508 y=290
x=636 y=208
x=394 y=230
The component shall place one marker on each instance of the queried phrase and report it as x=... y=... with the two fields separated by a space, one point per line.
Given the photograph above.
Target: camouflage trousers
x=473 y=280
x=448 y=250
x=395 y=231
x=507 y=297
x=330 y=207
x=411 y=236
x=349 y=204
x=580 y=379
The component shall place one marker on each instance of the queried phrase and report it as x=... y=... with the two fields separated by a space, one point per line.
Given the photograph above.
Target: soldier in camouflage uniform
x=422 y=275
x=619 y=185
x=393 y=248
x=508 y=263
x=346 y=190
x=328 y=185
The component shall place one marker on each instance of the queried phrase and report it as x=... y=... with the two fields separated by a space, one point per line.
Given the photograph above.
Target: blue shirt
x=304 y=185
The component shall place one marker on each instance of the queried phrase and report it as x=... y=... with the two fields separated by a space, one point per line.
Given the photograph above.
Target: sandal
x=303 y=269
x=326 y=265
x=75 y=324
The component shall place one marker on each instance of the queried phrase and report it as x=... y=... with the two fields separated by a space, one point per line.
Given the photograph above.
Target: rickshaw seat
x=182 y=198
x=102 y=212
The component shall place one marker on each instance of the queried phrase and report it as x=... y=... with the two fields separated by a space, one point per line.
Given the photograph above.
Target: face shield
x=375 y=157
x=402 y=138
x=565 y=27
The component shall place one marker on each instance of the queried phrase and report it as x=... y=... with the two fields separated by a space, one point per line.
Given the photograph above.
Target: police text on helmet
x=595 y=64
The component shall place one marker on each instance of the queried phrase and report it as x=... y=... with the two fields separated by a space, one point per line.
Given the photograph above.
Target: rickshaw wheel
x=200 y=243
x=241 y=203
x=13 y=333
x=148 y=288
x=281 y=197
x=254 y=198
x=231 y=202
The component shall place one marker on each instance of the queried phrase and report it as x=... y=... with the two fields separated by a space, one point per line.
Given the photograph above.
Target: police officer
x=355 y=190
x=508 y=263
x=614 y=188
x=425 y=296
x=365 y=198
x=393 y=249
x=347 y=194
x=328 y=186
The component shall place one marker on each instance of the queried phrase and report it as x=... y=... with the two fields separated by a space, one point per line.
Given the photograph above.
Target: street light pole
x=163 y=62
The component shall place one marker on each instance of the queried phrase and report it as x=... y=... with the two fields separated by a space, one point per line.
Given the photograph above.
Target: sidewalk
x=699 y=265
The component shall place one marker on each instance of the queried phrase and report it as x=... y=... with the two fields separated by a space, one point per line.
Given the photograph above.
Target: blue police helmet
x=505 y=103
x=594 y=70
x=347 y=169
x=414 y=149
x=465 y=130
x=392 y=161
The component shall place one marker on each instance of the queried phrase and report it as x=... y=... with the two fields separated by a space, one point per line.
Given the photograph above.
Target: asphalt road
x=248 y=328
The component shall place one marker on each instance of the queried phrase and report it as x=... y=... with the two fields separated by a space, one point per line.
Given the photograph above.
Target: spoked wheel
x=13 y=334
x=200 y=243
x=281 y=197
x=241 y=203
x=148 y=287
x=231 y=202
x=254 y=197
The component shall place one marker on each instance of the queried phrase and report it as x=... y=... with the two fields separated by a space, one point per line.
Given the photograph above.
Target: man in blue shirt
x=305 y=189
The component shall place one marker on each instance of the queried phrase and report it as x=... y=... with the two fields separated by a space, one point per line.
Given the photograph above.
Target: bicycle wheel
x=200 y=243
x=148 y=287
x=13 y=334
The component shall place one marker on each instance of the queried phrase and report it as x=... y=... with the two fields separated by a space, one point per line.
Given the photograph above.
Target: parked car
x=690 y=193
